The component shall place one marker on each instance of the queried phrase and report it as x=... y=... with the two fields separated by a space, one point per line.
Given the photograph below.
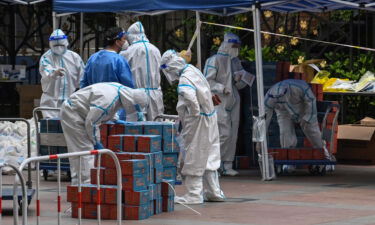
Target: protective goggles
x=59 y=37
x=120 y=35
x=235 y=43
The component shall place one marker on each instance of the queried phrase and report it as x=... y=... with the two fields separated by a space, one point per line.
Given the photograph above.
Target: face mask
x=125 y=46
x=58 y=50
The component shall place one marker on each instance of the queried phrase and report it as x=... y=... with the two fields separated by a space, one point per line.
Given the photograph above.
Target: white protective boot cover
x=212 y=191
x=194 y=186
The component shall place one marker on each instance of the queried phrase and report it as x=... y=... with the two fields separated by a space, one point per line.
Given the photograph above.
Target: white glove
x=59 y=73
x=226 y=91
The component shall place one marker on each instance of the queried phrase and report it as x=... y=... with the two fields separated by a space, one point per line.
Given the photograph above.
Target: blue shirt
x=107 y=66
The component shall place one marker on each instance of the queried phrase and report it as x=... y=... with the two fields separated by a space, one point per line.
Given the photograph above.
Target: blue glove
x=140 y=116
x=98 y=146
x=120 y=122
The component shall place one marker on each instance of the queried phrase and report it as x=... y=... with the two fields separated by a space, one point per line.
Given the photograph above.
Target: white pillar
x=199 y=52
x=259 y=71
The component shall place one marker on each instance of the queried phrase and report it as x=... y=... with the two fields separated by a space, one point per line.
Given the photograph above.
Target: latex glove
x=216 y=100
x=98 y=146
x=226 y=91
x=140 y=116
x=119 y=122
x=186 y=54
x=59 y=72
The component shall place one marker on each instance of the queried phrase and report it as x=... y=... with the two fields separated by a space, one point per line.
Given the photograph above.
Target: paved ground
x=345 y=197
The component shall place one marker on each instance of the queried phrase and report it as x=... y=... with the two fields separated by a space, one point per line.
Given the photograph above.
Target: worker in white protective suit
x=199 y=131
x=224 y=72
x=144 y=61
x=61 y=71
x=294 y=102
x=82 y=114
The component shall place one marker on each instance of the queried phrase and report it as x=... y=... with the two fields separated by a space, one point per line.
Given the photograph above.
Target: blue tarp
x=144 y=5
x=219 y=6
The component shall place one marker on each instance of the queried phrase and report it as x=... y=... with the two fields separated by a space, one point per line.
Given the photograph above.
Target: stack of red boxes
x=308 y=152
x=317 y=89
x=138 y=146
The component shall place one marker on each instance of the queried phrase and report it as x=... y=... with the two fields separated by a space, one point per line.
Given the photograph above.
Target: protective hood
x=172 y=65
x=139 y=97
x=230 y=45
x=278 y=92
x=58 y=42
x=136 y=32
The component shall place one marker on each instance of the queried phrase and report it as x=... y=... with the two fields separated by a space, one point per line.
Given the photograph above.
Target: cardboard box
x=356 y=142
x=158 y=205
x=306 y=69
x=134 y=128
x=167 y=188
x=27 y=94
x=368 y=121
x=168 y=203
x=136 y=212
x=153 y=128
x=134 y=167
x=149 y=143
x=170 y=159
x=170 y=173
x=137 y=197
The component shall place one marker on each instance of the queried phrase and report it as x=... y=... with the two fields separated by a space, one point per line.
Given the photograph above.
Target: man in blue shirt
x=107 y=65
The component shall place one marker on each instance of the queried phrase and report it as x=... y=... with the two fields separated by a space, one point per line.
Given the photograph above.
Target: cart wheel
x=314 y=170
x=279 y=169
x=45 y=175
x=322 y=171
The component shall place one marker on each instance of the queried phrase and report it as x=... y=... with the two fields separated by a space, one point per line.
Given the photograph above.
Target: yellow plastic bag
x=321 y=78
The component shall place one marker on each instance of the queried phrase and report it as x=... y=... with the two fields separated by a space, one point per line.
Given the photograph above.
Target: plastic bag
x=271 y=166
x=259 y=129
x=364 y=82
x=321 y=77
x=338 y=85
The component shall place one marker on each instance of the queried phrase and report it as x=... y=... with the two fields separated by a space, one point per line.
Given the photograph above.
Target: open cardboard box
x=356 y=143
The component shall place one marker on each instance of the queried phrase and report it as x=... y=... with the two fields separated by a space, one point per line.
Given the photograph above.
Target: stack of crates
x=52 y=125
x=147 y=155
x=305 y=151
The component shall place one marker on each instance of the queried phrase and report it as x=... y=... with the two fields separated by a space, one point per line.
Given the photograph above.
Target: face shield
x=169 y=74
x=171 y=65
x=58 y=42
x=231 y=45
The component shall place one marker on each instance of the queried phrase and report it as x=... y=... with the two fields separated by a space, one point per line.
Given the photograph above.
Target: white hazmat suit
x=199 y=130
x=220 y=70
x=294 y=102
x=61 y=71
x=144 y=61
x=82 y=114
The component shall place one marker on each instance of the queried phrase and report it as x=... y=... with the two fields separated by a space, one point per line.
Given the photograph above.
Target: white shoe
x=230 y=172
x=186 y=200
x=228 y=169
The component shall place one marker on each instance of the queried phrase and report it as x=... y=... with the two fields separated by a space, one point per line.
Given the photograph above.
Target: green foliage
x=271 y=54
x=341 y=15
x=170 y=98
x=341 y=66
